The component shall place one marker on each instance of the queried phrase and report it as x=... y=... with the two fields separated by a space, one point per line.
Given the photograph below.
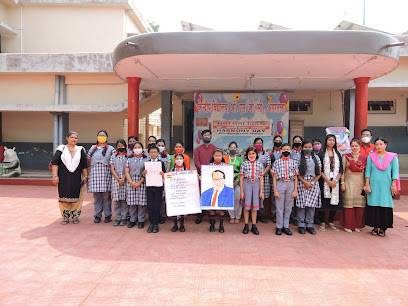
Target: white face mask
x=366 y=139
x=161 y=149
x=179 y=162
x=138 y=151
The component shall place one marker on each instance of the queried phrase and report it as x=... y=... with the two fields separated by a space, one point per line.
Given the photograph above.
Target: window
x=301 y=106
x=381 y=107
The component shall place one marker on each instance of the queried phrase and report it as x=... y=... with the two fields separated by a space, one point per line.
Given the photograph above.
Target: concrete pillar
x=361 y=115
x=133 y=106
x=350 y=109
x=61 y=120
x=167 y=117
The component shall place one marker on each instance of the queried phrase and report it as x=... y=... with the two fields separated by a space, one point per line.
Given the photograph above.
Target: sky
x=240 y=15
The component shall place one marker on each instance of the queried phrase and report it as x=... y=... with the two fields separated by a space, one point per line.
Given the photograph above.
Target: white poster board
x=217 y=187
x=182 y=193
x=153 y=176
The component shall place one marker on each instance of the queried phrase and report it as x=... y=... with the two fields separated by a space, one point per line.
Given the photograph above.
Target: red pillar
x=361 y=114
x=133 y=106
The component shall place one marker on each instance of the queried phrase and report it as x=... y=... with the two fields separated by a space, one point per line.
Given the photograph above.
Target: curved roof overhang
x=259 y=60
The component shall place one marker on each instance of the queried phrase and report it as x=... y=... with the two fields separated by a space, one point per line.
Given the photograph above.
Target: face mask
x=179 y=162
x=277 y=144
x=161 y=149
x=259 y=147
x=297 y=145
x=131 y=145
x=207 y=139
x=366 y=139
x=317 y=147
x=308 y=151
x=179 y=150
x=252 y=158
x=102 y=139
x=121 y=150
x=285 y=153
x=233 y=152
x=138 y=151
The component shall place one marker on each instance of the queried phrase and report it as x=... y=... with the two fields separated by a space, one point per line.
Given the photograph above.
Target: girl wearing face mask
x=285 y=184
x=131 y=143
x=317 y=146
x=251 y=188
x=179 y=149
x=277 y=147
x=165 y=158
x=309 y=197
x=178 y=167
x=332 y=171
x=136 y=187
x=233 y=159
x=352 y=184
x=265 y=159
x=296 y=147
x=100 y=177
x=117 y=166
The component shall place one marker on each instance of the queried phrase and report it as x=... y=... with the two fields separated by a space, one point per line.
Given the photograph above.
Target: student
x=151 y=140
x=317 y=146
x=117 y=166
x=309 y=197
x=251 y=187
x=179 y=149
x=285 y=183
x=100 y=177
x=296 y=147
x=202 y=156
x=277 y=146
x=217 y=159
x=136 y=187
x=233 y=159
x=154 y=194
x=165 y=158
x=178 y=167
x=265 y=159
x=131 y=143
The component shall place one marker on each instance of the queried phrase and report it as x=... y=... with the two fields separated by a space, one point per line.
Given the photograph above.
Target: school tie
x=214 y=199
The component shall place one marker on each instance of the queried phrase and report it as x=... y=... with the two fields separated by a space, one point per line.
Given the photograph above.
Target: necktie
x=214 y=199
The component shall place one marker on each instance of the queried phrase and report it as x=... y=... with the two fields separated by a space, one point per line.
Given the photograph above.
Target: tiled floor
x=45 y=263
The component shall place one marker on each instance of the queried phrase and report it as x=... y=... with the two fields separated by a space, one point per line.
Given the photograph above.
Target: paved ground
x=45 y=263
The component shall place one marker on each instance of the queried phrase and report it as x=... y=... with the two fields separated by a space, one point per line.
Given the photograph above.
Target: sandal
x=65 y=221
x=348 y=230
x=322 y=227
x=333 y=227
x=381 y=233
x=75 y=220
x=374 y=232
x=357 y=230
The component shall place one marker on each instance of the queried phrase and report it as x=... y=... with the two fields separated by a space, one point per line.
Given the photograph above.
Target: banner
x=182 y=193
x=241 y=117
x=217 y=187
x=342 y=138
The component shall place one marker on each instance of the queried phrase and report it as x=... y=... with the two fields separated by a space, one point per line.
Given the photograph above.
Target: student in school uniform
x=131 y=143
x=309 y=197
x=100 y=177
x=251 y=186
x=165 y=158
x=154 y=194
x=151 y=140
x=179 y=166
x=136 y=187
x=285 y=183
x=118 y=165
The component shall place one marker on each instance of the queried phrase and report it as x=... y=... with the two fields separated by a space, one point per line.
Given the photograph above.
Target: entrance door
x=188 y=125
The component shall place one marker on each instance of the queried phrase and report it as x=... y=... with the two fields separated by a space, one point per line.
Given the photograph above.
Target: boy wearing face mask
x=164 y=156
x=366 y=146
x=202 y=156
x=285 y=182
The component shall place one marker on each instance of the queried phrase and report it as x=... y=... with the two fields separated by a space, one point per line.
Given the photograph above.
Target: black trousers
x=322 y=215
x=154 y=202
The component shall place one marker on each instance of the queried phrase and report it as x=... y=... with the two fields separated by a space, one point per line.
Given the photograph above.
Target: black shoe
x=162 y=220
x=155 y=229
x=116 y=223
x=381 y=233
x=123 y=222
x=97 y=220
x=262 y=219
x=212 y=226
x=140 y=224
x=254 y=229
x=311 y=230
x=182 y=228
x=199 y=219
x=108 y=219
x=150 y=228
x=287 y=231
x=246 y=229
x=375 y=231
x=301 y=230
x=221 y=229
x=278 y=231
x=175 y=227
x=131 y=224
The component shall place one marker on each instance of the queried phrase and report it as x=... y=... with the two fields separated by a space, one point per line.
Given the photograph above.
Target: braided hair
x=303 y=164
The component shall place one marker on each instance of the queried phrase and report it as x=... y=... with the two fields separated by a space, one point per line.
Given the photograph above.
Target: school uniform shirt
x=265 y=159
x=285 y=169
x=100 y=178
x=119 y=163
x=252 y=170
x=135 y=166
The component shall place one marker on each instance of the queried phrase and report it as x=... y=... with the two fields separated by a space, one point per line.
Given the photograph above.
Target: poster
x=182 y=193
x=342 y=137
x=217 y=190
x=153 y=175
x=241 y=117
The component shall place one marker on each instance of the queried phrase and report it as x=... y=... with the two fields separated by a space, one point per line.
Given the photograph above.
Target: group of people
x=306 y=182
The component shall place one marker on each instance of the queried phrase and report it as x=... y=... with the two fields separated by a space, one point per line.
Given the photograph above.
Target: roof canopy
x=259 y=60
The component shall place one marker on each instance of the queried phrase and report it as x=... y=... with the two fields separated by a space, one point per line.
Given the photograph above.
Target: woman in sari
x=69 y=172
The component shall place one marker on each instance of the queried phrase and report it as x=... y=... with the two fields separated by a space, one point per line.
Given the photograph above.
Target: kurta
x=354 y=183
x=380 y=183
